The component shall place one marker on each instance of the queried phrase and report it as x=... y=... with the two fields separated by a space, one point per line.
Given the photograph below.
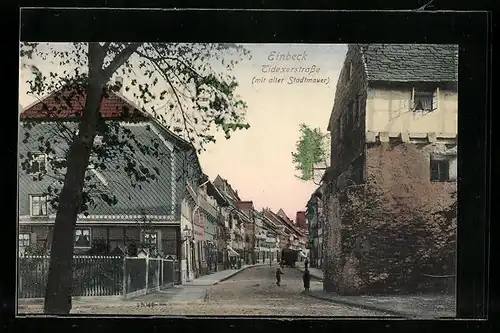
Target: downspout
x=193 y=214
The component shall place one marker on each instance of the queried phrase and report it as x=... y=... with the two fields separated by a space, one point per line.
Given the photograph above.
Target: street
x=254 y=292
x=250 y=292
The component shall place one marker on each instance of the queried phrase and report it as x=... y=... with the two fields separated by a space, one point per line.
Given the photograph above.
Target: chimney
x=119 y=83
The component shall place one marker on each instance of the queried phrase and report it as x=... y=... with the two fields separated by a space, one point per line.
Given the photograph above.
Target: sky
x=257 y=162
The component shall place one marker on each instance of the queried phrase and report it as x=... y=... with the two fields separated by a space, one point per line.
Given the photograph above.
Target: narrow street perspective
x=227 y=179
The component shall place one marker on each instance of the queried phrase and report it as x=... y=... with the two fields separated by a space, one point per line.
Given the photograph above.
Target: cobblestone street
x=254 y=292
x=251 y=292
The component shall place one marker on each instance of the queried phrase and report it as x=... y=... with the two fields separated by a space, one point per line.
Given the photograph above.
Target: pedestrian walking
x=279 y=273
x=306 y=263
x=306 y=278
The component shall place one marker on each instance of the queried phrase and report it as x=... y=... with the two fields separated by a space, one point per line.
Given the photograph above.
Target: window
x=38 y=205
x=24 y=240
x=38 y=163
x=151 y=239
x=424 y=100
x=82 y=238
x=440 y=170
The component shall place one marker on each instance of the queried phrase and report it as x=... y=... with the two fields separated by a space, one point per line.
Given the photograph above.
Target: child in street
x=279 y=273
x=307 y=279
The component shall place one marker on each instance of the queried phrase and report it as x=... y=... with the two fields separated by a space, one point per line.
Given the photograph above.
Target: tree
x=199 y=97
x=311 y=149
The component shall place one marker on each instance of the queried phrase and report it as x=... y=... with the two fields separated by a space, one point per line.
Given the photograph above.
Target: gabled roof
x=284 y=222
x=215 y=193
x=68 y=102
x=228 y=188
x=410 y=62
x=153 y=198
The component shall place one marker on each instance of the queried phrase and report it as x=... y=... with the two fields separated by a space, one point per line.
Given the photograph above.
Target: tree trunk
x=60 y=278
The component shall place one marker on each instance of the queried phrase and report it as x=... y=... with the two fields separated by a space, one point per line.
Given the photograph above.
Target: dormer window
x=97 y=139
x=38 y=205
x=38 y=163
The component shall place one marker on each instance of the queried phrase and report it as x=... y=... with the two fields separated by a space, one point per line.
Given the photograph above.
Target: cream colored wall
x=389 y=111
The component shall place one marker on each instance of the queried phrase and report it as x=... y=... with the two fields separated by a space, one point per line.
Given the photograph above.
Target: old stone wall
x=347 y=121
x=384 y=236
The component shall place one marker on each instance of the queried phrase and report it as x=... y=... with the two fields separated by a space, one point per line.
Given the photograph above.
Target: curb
x=354 y=304
x=362 y=306
x=237 y=272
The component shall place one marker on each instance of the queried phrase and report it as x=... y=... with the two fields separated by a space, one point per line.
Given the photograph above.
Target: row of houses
x=178 y=213
x=393 y=130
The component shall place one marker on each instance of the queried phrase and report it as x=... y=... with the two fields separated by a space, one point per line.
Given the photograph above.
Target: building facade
x=148 y=215
x=393 y=140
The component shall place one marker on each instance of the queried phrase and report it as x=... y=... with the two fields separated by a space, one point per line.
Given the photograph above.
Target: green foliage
x=311 y=149
x=187 y=88
x=35 y=250
x=396 y=246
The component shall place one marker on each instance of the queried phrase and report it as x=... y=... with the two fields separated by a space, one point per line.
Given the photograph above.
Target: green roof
x=410 y=62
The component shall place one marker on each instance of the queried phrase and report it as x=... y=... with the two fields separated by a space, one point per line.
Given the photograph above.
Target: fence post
x=173 y=272
x=124 y=287
x=158 y=267
x=147 y=273
x=162 y=272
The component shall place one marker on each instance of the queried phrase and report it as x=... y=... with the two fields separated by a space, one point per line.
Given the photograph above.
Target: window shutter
x=435 y=99
x=412 y=99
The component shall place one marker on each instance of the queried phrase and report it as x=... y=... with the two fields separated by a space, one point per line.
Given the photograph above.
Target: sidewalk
x=191 y=291
x=196 y=290
x=421 y=306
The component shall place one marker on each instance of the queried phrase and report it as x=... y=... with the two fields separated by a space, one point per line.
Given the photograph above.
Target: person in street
x=279 y=273
x=306 y=278
x=306 y=264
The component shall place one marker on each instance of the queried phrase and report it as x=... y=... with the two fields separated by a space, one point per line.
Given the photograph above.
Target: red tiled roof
x=69 y=102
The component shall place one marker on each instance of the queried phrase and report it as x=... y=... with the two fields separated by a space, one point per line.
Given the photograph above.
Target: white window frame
x=434 y=100
x=35 y=157
x=32 y=196
x=89 y=234
x=20 y=240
